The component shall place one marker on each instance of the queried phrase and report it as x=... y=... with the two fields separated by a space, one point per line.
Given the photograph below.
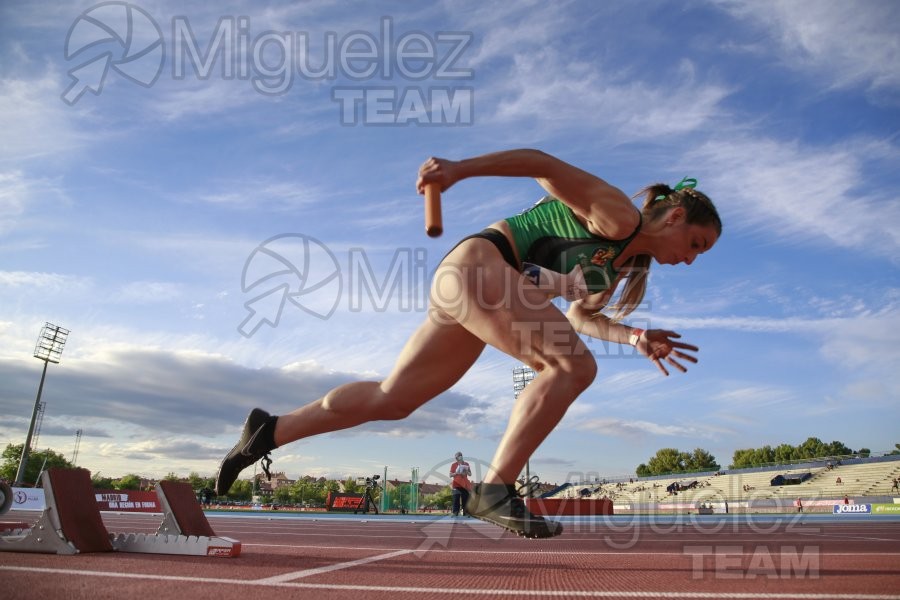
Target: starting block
x=184 y=529
x=72 y=524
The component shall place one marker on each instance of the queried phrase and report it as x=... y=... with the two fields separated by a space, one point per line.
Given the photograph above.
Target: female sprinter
x=581 y=242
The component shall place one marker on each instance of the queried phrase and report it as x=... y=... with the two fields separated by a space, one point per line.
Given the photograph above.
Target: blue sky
x=146 y=218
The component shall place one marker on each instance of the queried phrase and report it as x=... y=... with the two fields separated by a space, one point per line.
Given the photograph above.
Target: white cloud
x=751 y=398
x=629 y=428
x=843 y=43
x=264 y=194
x=35 y=122
x=20 y=193
x=144 y=292
x=53 y=282
x=547 y=88
x=13 y=194
x=868 y=342
x=795 y=192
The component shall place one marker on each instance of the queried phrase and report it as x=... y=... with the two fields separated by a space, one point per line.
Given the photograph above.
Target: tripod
x=366 y=502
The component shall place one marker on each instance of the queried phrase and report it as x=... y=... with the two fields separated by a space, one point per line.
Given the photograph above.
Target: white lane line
x=464 y=592
x=530 y=552
x=335 y=567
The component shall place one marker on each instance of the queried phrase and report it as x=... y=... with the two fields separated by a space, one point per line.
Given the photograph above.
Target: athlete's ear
x=676 y=216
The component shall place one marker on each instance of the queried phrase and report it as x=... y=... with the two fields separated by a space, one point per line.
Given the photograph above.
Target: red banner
x=555 y=507
x=342 y=501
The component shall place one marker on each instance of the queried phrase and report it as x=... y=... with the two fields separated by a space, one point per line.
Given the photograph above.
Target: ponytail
x=658 y=199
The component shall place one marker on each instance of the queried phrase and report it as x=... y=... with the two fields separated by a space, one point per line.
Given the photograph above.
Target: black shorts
x=500 y=242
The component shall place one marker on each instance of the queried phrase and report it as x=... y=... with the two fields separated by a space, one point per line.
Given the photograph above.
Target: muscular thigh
x=436 y=356
x=478 y=290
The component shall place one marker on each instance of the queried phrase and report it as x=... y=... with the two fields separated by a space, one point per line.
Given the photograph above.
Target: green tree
x=37 y=459
x=672 y=460
x=785 y=453
x=100 y=482
x=742 y=458
x=813 y=447
x=198 y=483
x=441 y=499
x=242 y=490
x=283 y=495
x=864 y=452
x=764 y=456
x=836 y=448
x=701 y=460
x=128 y=482
x=667 y=460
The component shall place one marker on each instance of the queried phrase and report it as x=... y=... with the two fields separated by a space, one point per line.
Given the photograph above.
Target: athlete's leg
x=434 y=359
x=498 y=305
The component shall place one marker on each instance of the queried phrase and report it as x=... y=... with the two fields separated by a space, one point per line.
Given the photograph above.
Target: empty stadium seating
x=829 y=480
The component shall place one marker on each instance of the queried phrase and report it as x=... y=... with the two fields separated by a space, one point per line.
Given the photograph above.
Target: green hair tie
x=686 y=182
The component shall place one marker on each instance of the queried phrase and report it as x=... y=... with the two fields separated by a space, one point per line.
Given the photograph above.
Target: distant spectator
x=838 y=481
x=896 y=486
x=846 y=500
x=460 y=484
x=799 y=505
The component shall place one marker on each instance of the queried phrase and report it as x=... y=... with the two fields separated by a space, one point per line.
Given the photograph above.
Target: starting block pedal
x=64 y=527
x=71 y=523
x=184 y=530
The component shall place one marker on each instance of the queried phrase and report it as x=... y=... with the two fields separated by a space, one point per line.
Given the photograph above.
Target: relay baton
x=434 y=225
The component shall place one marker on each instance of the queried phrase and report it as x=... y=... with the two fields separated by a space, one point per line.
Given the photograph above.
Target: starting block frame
x=71 y=523
x=184 y=530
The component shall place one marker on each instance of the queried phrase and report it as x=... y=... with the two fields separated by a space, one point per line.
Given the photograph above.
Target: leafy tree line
x=813 y=447
x=672 y=460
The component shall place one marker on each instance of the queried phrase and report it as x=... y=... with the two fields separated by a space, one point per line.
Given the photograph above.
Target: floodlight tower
x=522 y=376
x=78 y=435
x=49 y=349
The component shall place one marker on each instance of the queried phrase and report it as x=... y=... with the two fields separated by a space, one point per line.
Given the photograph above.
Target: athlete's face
x=685 y=242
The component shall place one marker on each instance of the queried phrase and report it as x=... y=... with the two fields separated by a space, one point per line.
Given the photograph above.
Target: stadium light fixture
x=49 y=347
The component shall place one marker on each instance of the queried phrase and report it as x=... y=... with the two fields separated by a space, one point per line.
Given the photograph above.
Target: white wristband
x=635 y=336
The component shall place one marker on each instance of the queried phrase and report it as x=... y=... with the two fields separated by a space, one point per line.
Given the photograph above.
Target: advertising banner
x=343 y=501
x=27 y=499
x=852 y=509
x=112 y=500
x=127 y=500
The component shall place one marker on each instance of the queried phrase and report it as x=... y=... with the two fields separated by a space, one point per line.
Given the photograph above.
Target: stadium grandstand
x=818 y=484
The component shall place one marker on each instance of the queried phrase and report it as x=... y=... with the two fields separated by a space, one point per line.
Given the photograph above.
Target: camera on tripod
x=368 y=501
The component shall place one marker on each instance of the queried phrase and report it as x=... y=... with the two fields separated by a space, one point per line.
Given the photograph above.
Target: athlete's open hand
x=659 y=346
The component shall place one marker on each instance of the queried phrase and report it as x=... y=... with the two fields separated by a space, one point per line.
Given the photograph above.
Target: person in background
x=460 y=484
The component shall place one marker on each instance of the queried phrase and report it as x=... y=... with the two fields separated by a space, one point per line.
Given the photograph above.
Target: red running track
x=378 y=557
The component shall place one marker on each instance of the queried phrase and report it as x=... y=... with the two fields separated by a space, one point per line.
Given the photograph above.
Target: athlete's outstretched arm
x=659 y=345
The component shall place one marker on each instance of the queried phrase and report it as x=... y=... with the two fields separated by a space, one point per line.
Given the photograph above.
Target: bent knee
x=578 y=372
x=584 y=372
